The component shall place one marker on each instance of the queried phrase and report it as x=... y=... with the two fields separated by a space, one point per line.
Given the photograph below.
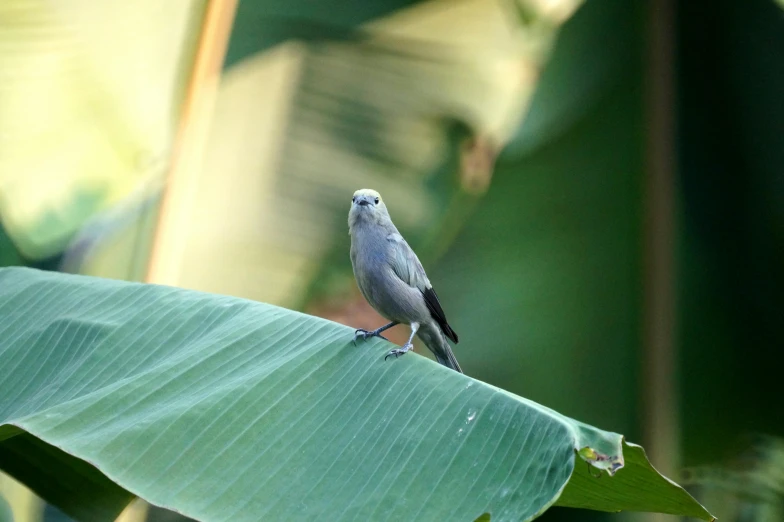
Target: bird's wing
x=407 y=267
x=405 y=263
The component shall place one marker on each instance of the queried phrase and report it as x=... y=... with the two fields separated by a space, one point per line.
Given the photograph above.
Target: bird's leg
x=397 y=352
x=360 y=332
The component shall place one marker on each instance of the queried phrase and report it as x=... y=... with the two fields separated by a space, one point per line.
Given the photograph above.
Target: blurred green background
x=596 y=191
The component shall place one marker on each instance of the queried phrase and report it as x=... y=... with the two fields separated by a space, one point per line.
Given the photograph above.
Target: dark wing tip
x=451 y=334
x=431 y=299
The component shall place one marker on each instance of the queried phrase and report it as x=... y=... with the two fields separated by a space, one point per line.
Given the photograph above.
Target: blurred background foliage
x=514 y=144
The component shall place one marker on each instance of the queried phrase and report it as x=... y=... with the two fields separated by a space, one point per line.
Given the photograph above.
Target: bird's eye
x=354 y=199
x=376 y=201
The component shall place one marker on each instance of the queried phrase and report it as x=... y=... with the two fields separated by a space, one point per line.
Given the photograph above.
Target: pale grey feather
x=406 y=264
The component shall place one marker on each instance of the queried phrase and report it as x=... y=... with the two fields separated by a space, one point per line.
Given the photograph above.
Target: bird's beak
x=363 y=202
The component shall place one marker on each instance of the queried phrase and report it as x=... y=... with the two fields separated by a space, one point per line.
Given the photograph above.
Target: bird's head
x=367 y=205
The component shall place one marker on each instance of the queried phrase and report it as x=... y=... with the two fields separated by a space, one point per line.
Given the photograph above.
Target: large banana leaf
x=227 y=409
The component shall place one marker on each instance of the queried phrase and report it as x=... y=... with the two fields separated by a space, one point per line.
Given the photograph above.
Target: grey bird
x=392 y=279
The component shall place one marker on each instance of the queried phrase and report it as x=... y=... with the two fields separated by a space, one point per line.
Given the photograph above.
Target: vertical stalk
x=169 y=242
x=659 y=371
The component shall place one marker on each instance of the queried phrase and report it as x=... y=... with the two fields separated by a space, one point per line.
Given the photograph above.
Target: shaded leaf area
x=76 y=486
x=9 y=255
x=6 y=514
x=261 y=25
x=226 y=409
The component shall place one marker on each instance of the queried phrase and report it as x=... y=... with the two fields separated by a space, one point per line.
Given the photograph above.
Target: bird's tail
x=436 y=342
x=449 y=360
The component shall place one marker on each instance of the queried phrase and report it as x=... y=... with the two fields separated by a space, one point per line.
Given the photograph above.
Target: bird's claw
x=397 y=352
x=361 y=332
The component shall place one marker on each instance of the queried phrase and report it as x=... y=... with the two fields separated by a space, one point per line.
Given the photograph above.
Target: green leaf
x=227 y=409
x=80 y=134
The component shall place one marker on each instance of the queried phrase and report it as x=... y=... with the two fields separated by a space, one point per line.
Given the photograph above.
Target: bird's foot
x=364 y=334
x=397 y=352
